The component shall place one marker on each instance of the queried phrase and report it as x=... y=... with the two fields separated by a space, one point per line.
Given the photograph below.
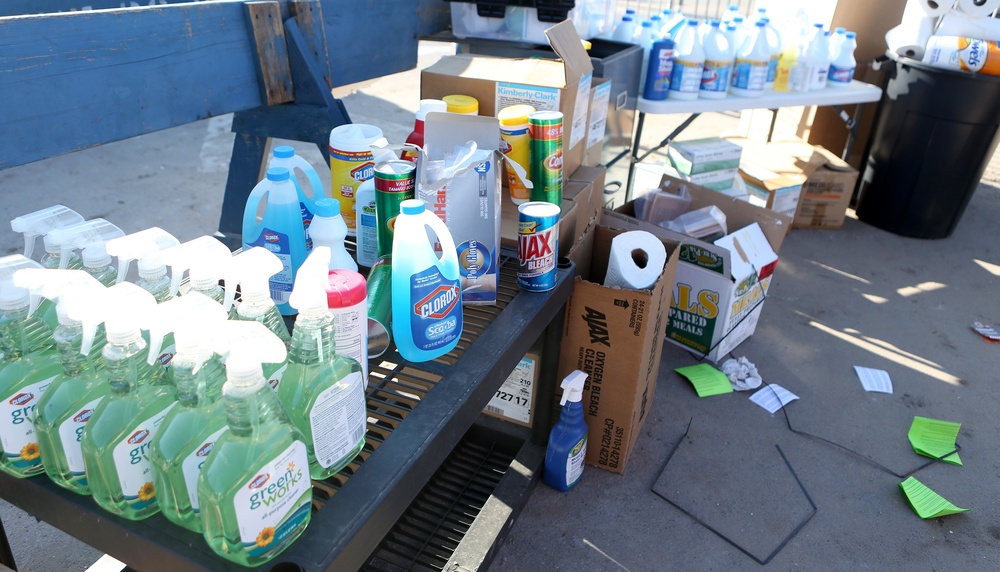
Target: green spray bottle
x=206 y=260
x=91 y=238
x=254 y=490
x=116 y=439
x=324 y=393
x=145 y=246
x=30 y=363
x=188 y=432
x=68 y=403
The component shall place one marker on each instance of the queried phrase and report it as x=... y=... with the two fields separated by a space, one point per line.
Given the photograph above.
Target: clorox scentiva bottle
x=116 y=440
x=70 y=400
x=254 y=490
x=426 y=290
x=323 y=392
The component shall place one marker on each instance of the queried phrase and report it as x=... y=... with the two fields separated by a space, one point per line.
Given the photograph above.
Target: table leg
x=548 y=371
x=666 y=141
x=635 y=156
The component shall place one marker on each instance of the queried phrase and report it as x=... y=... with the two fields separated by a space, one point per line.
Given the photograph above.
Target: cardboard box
x=589 y=206
x=715 y=300
x=715 y=180
x=703 y=155
x=556 y=85
x=615 y=335
x=827 y=192
x=774 y=176
x=597 y=121
x=516 y=399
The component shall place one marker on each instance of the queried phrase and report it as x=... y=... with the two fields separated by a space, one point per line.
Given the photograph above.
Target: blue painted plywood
x=78 y=79
x=371 y=38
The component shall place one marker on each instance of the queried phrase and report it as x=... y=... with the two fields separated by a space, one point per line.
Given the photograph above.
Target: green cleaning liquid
x=116 y=439
x=68 y=405
x=254 y=490
x=187 y=436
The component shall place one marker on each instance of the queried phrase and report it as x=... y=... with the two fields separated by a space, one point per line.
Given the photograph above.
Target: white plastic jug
x=689 y=64
x=718 y=64
x=352 y=163
x=284 y=156
x=751 y=64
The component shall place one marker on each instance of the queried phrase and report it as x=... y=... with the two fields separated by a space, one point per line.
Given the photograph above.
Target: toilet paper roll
x=910 y=37
x=637 y=259
x=963 y=26
x=934 y=7
x=978 y=8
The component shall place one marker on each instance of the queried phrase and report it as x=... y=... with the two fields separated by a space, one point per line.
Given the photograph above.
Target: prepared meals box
x=551 y=85
x=717 y=297
x=774 y=177
x=615 y=335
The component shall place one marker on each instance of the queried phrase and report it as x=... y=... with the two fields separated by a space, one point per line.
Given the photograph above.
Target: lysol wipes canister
x=537 y=245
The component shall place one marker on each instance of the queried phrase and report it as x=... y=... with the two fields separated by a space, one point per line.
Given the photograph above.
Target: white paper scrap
x=773 y=397
x=874 y=379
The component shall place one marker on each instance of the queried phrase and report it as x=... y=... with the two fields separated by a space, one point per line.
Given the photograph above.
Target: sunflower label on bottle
x=191 y=466
x=131 y=457
x=266 y=505
x=70 y=433
x=17 y=429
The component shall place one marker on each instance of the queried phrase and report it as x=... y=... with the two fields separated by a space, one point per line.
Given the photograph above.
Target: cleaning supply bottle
x=330 y=230
x=145 y=246
x=567 y=449
x=251 y=270
x=689 y=64
x=842 y=67
x=39 y=223
x=751 y=64
x=347 y=301
x=416 y=137
x=190 y=429
x=279 y=230
x=718 y=64
x=774 y=46
x=91 y=238
x=787 y=63
x=254 y=488
x=818 y=56
x=323 y=392
x=365 y=217
x=116 y=440
x=68 y=403
x=29 y=366
x=661 y=65
x=625 y=30
x=284 y=156
x=836 y=40
x=206 y=260
x=426 y=290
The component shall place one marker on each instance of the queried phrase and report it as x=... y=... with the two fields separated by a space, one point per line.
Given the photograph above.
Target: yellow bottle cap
x=515 y=114
x=586 y=45
x=462 y=104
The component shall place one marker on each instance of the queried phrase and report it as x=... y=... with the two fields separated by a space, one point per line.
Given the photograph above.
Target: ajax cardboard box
x=615 y=335
x=549 y=85
x=716 y=299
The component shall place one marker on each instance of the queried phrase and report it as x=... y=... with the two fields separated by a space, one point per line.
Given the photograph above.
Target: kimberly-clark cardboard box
x=516 y=398
x=469 y=202
x=697 y=156
x=552 y=85
x=716 y=299
x=773 y=176
x=615 y=335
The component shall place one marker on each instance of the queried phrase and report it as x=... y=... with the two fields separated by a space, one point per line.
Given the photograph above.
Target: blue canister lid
x=326 y=207
x=277 y=174
x=411 y=206
x=284 y=152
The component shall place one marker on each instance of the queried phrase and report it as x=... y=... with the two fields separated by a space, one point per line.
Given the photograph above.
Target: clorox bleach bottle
x=842 y=67
x=279 y=230
x=718 y=64
x=68 y=403
x=257 y=478
x=818 y=56
x=39 y=223
x=774 y=45
x=116 y=440
x=567 y=449
x=751 y=64
x=426 y=291
x=625 y=30
x=689 y=64
x=188 y=432
x=284 y=156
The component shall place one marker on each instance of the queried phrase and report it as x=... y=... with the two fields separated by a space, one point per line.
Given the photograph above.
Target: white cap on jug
x=185 y=317
x=41 y=222
x=246 y=345
x=431 y=105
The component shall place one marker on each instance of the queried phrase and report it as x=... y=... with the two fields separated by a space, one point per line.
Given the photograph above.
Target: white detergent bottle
x=254 y=489
x=737 y=34
x=284 y=156
x=732 y=12
x=426 y=290
x=206 y=260
x=367 y=224
x=189 y=431
x=323 y=392
x=39 y=223
x=751 y=64
x=689 y=64
x=625 y=30
x=145 y=246
x=836 y=40
x=718 y=64
x=842 y=68
x=68 y=403
x=330 y=230
x=115 y=442
x=251 y=270
x=818 y=56
x=91 y=238
x=774 y=45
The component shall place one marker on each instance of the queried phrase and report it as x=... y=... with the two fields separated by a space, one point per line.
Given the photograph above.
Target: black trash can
x=934 y=134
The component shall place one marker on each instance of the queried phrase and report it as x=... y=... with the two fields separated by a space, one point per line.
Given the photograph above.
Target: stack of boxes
x=713 y=163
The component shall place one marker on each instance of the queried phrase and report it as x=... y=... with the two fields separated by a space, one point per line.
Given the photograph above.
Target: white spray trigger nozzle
x=11 y=295
x=79 y=297
x=572 y=387
x=127 y=310
x=202 y=255
x=246 y=345
x=137 y=245
x=309 y=290
x=251 y=269
x=82 y=235
x=194 y=312
x=41 y=222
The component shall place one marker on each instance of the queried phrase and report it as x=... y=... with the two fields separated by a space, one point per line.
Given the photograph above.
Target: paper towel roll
x=637 y=259
x=934 y=8
x=960 y=25
x=910 y=37
x=978 y=8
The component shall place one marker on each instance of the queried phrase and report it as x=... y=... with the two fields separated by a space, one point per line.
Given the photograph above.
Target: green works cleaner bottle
x=205 y=259
x=116 y=439
x=254 y=490
x=188 y=433
x=71 y=398
x=324 y=393
x=30 y=363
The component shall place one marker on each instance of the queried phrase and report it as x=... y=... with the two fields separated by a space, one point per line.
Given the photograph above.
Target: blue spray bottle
x=567 y=448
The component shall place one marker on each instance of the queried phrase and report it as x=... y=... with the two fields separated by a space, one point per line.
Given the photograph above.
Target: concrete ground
x=857 y=296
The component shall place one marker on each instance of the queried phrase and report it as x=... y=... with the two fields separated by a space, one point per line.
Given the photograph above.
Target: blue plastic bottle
x=661 y=66
x=278 y=230
x=567 y=450
x=426 y=290
x=284 y=156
